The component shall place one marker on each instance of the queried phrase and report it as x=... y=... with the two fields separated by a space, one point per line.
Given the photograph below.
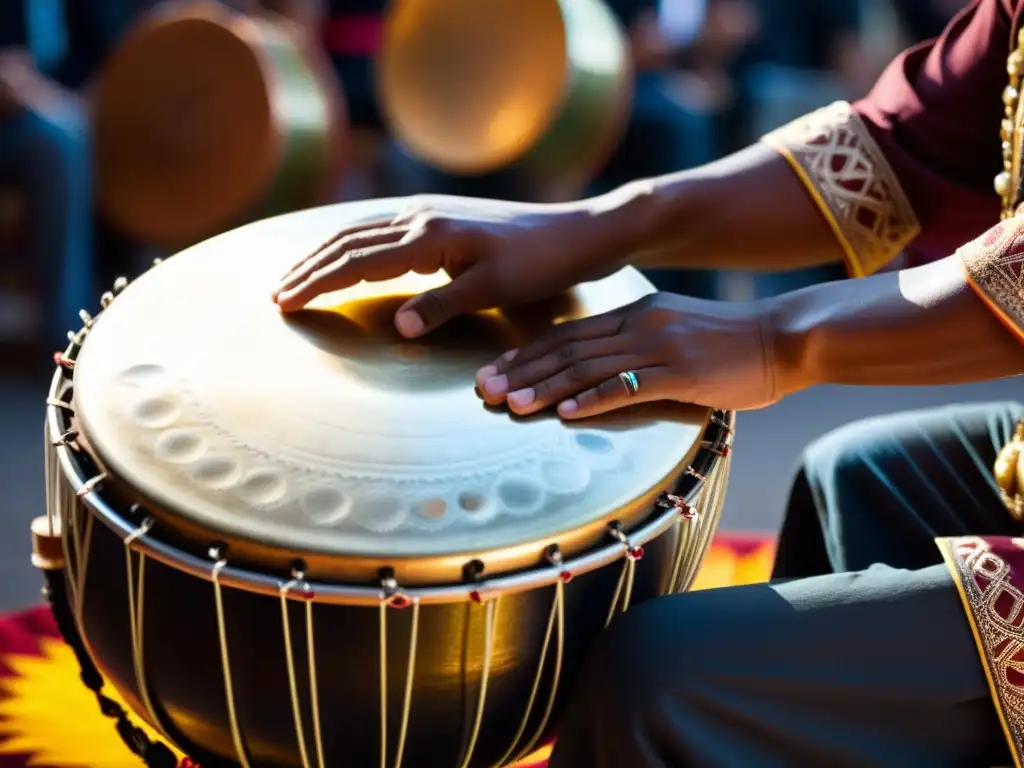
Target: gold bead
x=1002 y=184
x=1015 y=64
x=1010 y=96
x=1006 y=129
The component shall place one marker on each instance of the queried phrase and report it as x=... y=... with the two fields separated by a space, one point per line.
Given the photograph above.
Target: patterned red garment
x=990 y=577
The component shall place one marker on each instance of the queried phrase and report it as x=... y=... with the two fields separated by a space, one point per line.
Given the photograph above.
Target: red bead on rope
x=475 y=597
x=188 y=762
x=399 y=601
x=635 y=553
x=565 y=576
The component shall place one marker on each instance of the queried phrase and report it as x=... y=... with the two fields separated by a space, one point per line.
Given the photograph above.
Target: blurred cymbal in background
x=539 y=87
x=206 y=118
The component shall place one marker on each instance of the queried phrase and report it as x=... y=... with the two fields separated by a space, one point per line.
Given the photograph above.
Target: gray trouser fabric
x=858 y=654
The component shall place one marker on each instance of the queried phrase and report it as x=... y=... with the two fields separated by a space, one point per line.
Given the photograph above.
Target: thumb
x=466 y=293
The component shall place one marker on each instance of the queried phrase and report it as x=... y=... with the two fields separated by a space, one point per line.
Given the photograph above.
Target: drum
x=206 y=118
x=538 y=89
x=303 y=541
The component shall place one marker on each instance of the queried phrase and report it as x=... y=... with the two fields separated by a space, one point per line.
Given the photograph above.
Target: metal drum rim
x=250 y=580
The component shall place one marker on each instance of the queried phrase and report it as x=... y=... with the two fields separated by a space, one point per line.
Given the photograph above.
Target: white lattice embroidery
x=841 y=163
x=995 y=263
x=997 y=609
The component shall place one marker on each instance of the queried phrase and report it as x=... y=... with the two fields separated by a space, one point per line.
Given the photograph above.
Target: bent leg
x=881 y=490
x=872 y=668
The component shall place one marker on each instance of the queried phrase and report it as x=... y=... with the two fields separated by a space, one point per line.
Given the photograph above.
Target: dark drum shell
x=497 y=636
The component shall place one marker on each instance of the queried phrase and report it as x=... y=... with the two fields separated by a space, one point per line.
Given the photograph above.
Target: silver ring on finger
x=630 y=382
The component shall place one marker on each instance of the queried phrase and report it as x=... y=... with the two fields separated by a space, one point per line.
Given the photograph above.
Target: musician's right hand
x=498 y=254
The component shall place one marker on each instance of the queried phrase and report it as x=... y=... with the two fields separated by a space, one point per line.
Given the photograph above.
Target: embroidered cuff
x=843 y=168
x=989 y=575
x=994 y=264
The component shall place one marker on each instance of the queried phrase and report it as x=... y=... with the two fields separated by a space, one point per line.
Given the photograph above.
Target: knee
x=845 y=452
x=656 y=651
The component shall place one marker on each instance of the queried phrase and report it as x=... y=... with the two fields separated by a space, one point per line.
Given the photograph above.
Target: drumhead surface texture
x=326 y=432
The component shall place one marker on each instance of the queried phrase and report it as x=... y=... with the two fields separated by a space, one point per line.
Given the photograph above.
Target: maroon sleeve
x=936 y=113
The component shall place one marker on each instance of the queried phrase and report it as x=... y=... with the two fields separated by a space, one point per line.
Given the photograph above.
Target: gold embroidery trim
x=998 y=639
x=853 y=184
x=994 y=264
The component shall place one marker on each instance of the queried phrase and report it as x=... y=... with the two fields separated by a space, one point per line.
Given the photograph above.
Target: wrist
x=786 y=336
x=626 y=217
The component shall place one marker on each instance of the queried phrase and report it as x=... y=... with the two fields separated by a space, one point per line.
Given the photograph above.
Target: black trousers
x=857 y=654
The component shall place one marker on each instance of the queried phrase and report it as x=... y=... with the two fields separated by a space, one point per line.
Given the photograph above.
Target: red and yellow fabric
x=48 y=719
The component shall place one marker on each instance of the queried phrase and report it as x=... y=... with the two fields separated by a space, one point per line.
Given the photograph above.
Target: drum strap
x=153 y=753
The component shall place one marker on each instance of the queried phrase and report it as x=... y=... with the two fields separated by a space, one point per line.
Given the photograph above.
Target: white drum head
x=325 y=432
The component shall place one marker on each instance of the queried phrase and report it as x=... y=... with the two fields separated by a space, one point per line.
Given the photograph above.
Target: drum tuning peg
x=669 y=500
x=719 y=421
x=615 y=531
x=106 y=299
x=719 y=450
x=473 y=570
x=76 y=337
x=86 y=318
x=157 y=262
x=120 y=284
x=392 y=595
x=65 y=439
x=695 y=474
x=554 y=556
x=56 y=402
x=91 y=485
x=298 y=571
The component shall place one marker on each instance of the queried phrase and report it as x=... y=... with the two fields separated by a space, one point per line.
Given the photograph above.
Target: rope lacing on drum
x=556 y=622
x=67 y=609
x=624 y=587
x=136 y=615
x=392 y=596
x=216 y=554
x=298 y=585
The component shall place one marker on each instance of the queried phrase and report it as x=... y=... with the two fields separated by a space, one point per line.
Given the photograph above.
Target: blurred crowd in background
x=710 y=77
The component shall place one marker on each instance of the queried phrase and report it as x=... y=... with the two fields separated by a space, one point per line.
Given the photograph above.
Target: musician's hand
x=711 y=353
x=498 y=254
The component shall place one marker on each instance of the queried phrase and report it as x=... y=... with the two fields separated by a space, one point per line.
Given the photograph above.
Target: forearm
x=920 y=326
x=746 y=211
x=901 y=165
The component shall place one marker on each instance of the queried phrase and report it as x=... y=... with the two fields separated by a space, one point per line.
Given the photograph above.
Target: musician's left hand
x=712 y=353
